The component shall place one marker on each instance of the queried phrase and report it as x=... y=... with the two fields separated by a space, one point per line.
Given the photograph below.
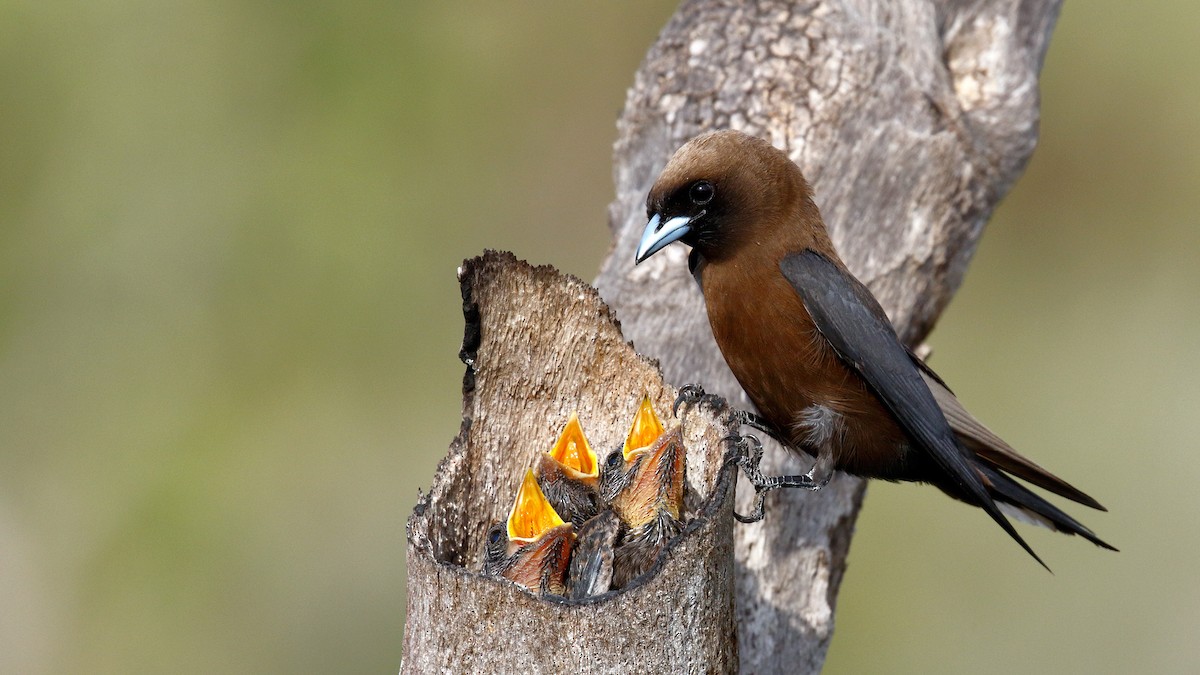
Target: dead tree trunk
x=911 y=119
x=538 y=345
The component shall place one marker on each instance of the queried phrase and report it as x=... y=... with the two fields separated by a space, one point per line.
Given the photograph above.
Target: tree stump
x=538 y=345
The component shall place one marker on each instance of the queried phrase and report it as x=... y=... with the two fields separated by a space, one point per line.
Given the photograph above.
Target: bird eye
x=613 y=460
x=701 y=192
x=493 y=535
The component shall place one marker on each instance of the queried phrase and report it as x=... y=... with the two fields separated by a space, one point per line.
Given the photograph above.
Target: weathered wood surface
x=538 y=345
x=911 y=119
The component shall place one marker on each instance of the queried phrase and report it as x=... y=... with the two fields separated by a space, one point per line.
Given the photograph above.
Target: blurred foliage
x=229 y=321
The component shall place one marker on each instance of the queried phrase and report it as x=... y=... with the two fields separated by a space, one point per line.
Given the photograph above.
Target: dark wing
x=991 y=450
x=850 y=318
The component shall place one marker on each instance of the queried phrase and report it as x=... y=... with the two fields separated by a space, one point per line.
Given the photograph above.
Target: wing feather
x=849 y=317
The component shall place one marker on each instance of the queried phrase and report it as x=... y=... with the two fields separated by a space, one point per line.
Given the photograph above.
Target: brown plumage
x=540 y=566
x=645 y=488
x=812 y=347
x=533 y=547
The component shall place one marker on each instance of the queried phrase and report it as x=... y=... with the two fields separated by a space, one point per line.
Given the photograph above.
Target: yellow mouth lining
x=573 y=451
x=531 y=513
x=645 y=430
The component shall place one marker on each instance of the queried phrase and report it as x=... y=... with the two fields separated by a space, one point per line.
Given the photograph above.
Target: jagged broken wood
x=538 y=345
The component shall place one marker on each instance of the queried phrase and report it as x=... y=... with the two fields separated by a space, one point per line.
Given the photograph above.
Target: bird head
x=720 y=191
x=646 y=428
x=534 y=548
x=531 y=514
x=648 y=482
x=574 y=454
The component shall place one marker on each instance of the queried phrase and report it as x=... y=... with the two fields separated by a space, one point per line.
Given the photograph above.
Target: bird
x=568 y=473
x=533 y=547
x=645 y=488
x=813 y=349
x=591 y=570
x=599 y=555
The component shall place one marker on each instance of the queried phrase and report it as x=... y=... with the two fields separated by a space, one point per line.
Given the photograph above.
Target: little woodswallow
x=568 y=474
x=641 y=489
x=812 y=347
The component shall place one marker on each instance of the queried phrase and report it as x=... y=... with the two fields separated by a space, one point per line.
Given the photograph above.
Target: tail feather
x=1005 y=458
x=1008 y=492
x=993 y=451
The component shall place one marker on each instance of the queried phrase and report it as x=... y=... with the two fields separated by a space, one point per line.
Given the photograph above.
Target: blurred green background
x=229 y=324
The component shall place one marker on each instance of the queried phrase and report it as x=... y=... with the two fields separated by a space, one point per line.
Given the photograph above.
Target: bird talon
x=745 y=418
x=733 y=456
x=747 y=453
x=688 y=395
x=692 y=394
x=756 y=515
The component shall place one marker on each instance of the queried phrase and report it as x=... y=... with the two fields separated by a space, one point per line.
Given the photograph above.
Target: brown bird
x=533 y=549
x=645 y=488
x=812 y=347
x=568 y=473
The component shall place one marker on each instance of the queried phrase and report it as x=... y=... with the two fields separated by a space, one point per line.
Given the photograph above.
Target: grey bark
x=911 y=119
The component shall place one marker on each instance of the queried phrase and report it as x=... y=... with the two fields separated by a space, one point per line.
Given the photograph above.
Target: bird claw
x=748 y=457
x=692 y=394
x=746 y=418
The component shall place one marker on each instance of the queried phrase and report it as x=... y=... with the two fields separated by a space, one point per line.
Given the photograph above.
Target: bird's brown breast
x=786 y=367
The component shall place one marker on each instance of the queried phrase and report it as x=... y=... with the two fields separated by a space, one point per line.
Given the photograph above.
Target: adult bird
x=814 y=350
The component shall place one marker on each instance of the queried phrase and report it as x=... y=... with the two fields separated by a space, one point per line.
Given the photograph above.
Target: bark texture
x=911 y=119
x=538 y=345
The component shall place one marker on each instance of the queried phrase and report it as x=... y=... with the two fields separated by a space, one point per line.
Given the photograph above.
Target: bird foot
x=755 y=421
x=748 y=455
x=692 y=394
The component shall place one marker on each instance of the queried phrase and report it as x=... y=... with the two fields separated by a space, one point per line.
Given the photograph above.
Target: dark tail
x=1030 y=507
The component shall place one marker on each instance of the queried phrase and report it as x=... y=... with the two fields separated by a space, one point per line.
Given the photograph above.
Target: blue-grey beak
x=658 y=234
